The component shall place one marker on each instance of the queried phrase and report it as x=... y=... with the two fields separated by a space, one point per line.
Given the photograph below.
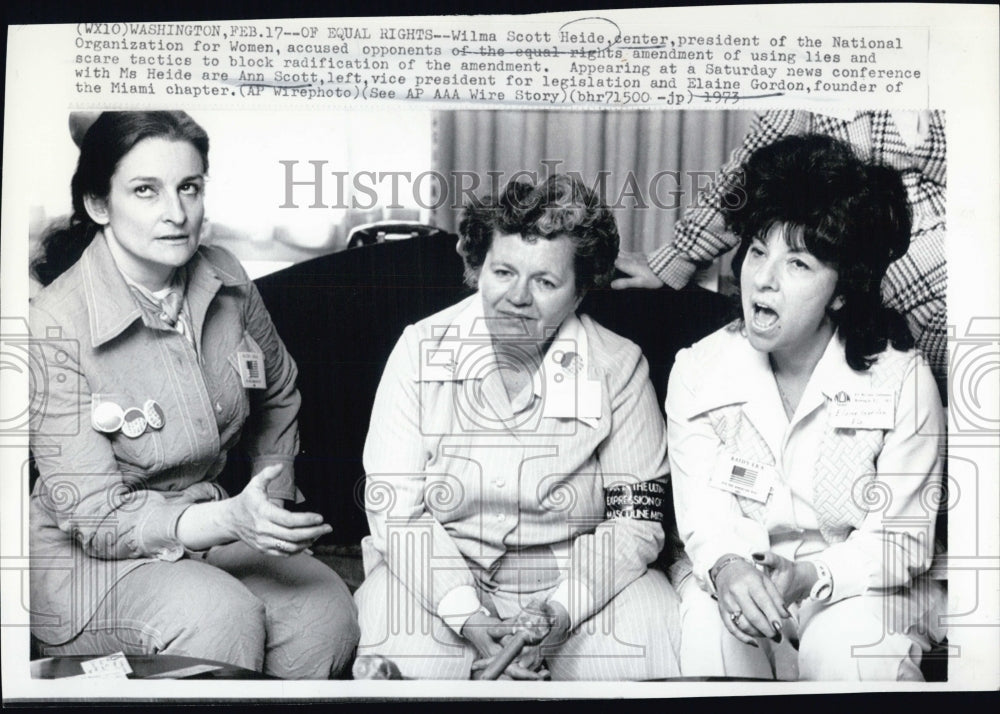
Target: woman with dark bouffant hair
x=804 y=438
x=159 y=358
x=516 y=466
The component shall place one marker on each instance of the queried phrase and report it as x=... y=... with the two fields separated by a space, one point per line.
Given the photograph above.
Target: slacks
x=846 y=641
x=635 y=637
x=288 y=617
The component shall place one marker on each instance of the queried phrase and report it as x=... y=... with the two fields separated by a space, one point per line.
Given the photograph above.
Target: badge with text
x=863 y=410
x=743 y=477
x=251 y=366
x=113 y=665
x=569 y=394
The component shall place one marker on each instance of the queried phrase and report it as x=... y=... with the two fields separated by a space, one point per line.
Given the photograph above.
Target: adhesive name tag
x=863 y=410
x=113 y=665
x=251 y=366
x=743 y=477
x=570 y=399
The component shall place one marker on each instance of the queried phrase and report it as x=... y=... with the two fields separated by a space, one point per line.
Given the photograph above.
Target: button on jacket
x=106 y=503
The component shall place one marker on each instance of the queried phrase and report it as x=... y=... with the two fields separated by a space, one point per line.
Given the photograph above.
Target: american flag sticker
x=251 y=370
x=743 y=477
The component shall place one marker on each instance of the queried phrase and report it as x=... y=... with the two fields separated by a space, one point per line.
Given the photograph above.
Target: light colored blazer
x=453 y=467
x=861 y=500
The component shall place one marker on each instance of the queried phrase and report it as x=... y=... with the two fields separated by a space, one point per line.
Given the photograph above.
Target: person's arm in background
x=700 y=237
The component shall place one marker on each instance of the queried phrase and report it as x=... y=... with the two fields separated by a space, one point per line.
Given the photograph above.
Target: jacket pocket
x=138 y=448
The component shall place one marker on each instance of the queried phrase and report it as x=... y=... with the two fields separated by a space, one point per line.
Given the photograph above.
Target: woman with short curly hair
x=516 y=465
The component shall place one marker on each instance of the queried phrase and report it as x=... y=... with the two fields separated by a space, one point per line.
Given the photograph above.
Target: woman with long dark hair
x=160 y=357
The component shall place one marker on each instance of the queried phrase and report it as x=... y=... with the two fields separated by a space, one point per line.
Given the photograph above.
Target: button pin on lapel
x=135 y=423
x=153 y=413
x=107 y=417
x=569 y=361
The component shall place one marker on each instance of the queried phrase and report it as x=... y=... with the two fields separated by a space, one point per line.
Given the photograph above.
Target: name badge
x=743 y=477
x=569 y=394
x=572 y=399
x=863 y=410
x=111 y=666
x=251 y=366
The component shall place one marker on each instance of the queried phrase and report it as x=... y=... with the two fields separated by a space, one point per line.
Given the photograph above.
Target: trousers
x=635 y=637
x=843 y=641
x=288 y=617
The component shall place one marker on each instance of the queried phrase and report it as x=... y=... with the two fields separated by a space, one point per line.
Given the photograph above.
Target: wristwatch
x=822 y=589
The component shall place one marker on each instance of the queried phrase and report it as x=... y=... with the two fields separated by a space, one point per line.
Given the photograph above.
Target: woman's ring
x=735 y=616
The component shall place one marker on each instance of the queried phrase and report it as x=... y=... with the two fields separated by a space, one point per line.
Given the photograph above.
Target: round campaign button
x=153 y=413
x=571 y=362
x=135 y=423
x=107 y=417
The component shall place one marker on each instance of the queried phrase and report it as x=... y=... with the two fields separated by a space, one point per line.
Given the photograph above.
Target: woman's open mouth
x=763 y=317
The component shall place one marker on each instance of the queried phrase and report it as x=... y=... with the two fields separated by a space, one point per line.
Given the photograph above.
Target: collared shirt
x=457 y=475
x=104 y=502
x=893 y=534
x=915 y=284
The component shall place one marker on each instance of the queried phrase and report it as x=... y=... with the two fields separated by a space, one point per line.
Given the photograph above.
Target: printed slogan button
x=153 y=413
x=135 y=423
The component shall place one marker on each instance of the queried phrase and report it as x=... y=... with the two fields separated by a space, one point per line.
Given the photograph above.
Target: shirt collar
x=469 y=331
x=736 y=373
x=463 y=350
x=732 y=373
x=111 y=307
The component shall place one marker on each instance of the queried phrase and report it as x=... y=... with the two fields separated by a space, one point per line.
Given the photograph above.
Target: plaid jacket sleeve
x=700 y=237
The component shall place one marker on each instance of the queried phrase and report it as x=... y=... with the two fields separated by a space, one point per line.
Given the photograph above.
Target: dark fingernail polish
x=777 y=637
x=754 y=644
x=758 y=556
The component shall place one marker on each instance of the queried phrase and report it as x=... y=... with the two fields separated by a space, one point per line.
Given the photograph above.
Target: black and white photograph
x=524 y=380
